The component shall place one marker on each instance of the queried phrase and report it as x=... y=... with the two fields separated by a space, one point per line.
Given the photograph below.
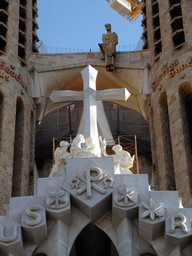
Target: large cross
x=90 y=97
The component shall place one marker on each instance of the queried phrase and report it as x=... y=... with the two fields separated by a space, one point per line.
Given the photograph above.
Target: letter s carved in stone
x=30 y=213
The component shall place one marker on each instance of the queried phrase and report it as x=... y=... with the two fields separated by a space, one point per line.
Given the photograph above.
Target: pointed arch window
x=18 y=149
x=31 y=159
x=154 y=148
x=156 y=29
x=144 y=25
x=22 y=31
x=35 y=38
x=167 y=145
x=4 y=14
x=1 y=114
x=178 y=35
x=185 y=92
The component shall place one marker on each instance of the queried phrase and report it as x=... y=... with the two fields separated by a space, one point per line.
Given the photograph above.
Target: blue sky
x=79 y=24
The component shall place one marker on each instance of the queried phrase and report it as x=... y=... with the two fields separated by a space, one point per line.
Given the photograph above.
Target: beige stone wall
x=170 y=84
x=11 y=90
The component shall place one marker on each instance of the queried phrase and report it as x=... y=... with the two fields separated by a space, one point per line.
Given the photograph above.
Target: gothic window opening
x=22 y=31
x=35 y=38
x=154 y=149
x=1 y=114
x=4 y=6
x=185 y=92
x=144 y=25
x=41 y=254
x=18 y=149
x=178 y=35
x=93 y=241
x=31 y=159
x=156 y=29
x=167 y=145
x=188 y=107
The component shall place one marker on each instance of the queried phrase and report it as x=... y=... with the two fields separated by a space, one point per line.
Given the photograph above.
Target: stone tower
x=17 y=123
x=167 y=32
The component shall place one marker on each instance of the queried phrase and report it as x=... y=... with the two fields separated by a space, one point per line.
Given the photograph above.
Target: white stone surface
x=90 y=97
x=103 y=126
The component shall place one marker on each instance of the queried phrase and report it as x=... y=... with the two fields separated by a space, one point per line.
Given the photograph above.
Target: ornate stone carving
x=108 y=48
x=122 y=159
x=58 y=204
x=125 y=196
x=60 y=159
x=78 y=151
x=178 y=227
x=90 y=181
x=57 y=199
x=9 y=239
x=153 y=210
x=125 y=204
x=181 y=223
x=61 y=153
x=33 y=223
x=35 y=215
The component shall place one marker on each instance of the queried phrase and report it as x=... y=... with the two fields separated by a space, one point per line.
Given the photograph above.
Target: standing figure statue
x=108 y=48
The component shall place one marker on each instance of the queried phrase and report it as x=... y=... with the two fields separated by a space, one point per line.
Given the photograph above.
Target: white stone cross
x=90 y=97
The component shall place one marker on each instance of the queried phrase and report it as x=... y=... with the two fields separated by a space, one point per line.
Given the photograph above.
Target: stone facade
x=17 y=107
x=159 y=80
x=114 y=215
x=170 y=85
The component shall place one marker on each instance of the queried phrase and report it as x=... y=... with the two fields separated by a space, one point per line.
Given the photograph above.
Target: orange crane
x=127 y=8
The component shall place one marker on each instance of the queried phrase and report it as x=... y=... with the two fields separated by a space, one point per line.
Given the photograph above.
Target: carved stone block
x=33 y=223
x=125 y=204
x=151 y=219
x=90 y=183
x=58 y=204
x=10 y=238
x=178 y=228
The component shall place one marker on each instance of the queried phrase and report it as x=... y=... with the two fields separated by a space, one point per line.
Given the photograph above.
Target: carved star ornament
x=56 y=199
x=153 y=210
x=125 y=196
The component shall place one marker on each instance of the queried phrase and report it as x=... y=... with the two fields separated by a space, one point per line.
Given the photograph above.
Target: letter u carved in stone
x=35 y=215
x=10 y=238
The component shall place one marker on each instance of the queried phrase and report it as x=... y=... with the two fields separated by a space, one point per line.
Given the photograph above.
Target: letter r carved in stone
x=181 y=223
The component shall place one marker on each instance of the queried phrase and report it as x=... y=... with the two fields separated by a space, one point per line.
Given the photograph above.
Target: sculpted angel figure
x=122 y=159
x=78 y=151
x=108 y=48
x=60 y=159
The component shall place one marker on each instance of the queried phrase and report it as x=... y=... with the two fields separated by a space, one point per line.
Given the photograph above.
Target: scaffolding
x=129 y=143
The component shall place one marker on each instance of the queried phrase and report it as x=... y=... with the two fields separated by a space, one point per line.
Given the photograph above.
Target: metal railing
x=54 y=49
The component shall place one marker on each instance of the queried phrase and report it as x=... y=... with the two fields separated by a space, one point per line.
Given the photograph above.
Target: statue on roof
x=108 y=48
